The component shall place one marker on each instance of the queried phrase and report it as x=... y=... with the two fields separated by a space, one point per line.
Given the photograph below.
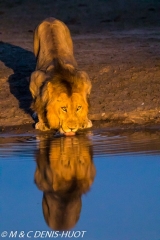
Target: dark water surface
x=98 y=185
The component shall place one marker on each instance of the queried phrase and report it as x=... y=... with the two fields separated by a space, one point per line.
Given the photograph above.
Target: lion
x=65 y=170
x=59 y=90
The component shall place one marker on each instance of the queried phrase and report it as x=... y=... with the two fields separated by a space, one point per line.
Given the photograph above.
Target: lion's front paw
x=88 y=124
x=41 y=126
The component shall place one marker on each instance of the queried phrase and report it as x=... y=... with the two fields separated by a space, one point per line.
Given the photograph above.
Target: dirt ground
x=122 y=60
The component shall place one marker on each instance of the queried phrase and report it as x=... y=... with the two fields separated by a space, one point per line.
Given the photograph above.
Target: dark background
x=83 y=15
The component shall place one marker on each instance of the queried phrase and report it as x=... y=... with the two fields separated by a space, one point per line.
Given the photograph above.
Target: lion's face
x=68 y=113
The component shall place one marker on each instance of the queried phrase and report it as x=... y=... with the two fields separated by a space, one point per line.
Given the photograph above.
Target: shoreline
x=98 y=125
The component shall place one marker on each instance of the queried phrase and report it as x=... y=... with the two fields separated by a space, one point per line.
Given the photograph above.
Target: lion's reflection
x=64 y=172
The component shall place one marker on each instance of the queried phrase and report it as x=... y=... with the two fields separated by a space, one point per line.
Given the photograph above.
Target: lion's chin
x=62 y=132
x=69 y=133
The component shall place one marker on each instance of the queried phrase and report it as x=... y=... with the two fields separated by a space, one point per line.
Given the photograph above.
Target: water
x=99 y=185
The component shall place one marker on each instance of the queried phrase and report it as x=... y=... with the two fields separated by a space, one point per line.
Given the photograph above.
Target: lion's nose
x=73 y=129
x=72 y=125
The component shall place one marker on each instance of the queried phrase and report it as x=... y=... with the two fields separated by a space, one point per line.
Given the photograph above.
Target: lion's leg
x=36 y=81
x=89 y=124
x=42 y=124
x=86 y=124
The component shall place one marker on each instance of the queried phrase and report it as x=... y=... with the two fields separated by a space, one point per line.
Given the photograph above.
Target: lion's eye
x=78 y=108
x=64 y=109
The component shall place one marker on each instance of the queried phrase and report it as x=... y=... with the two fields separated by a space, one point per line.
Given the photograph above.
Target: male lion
x=58 y=88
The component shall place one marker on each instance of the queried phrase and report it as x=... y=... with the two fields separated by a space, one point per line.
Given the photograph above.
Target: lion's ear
x=65 y=66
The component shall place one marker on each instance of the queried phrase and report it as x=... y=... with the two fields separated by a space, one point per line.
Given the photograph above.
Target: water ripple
x=103 y=143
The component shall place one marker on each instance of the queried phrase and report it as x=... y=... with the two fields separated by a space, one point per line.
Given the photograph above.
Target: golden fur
x=64 y=172
x=59 y=90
